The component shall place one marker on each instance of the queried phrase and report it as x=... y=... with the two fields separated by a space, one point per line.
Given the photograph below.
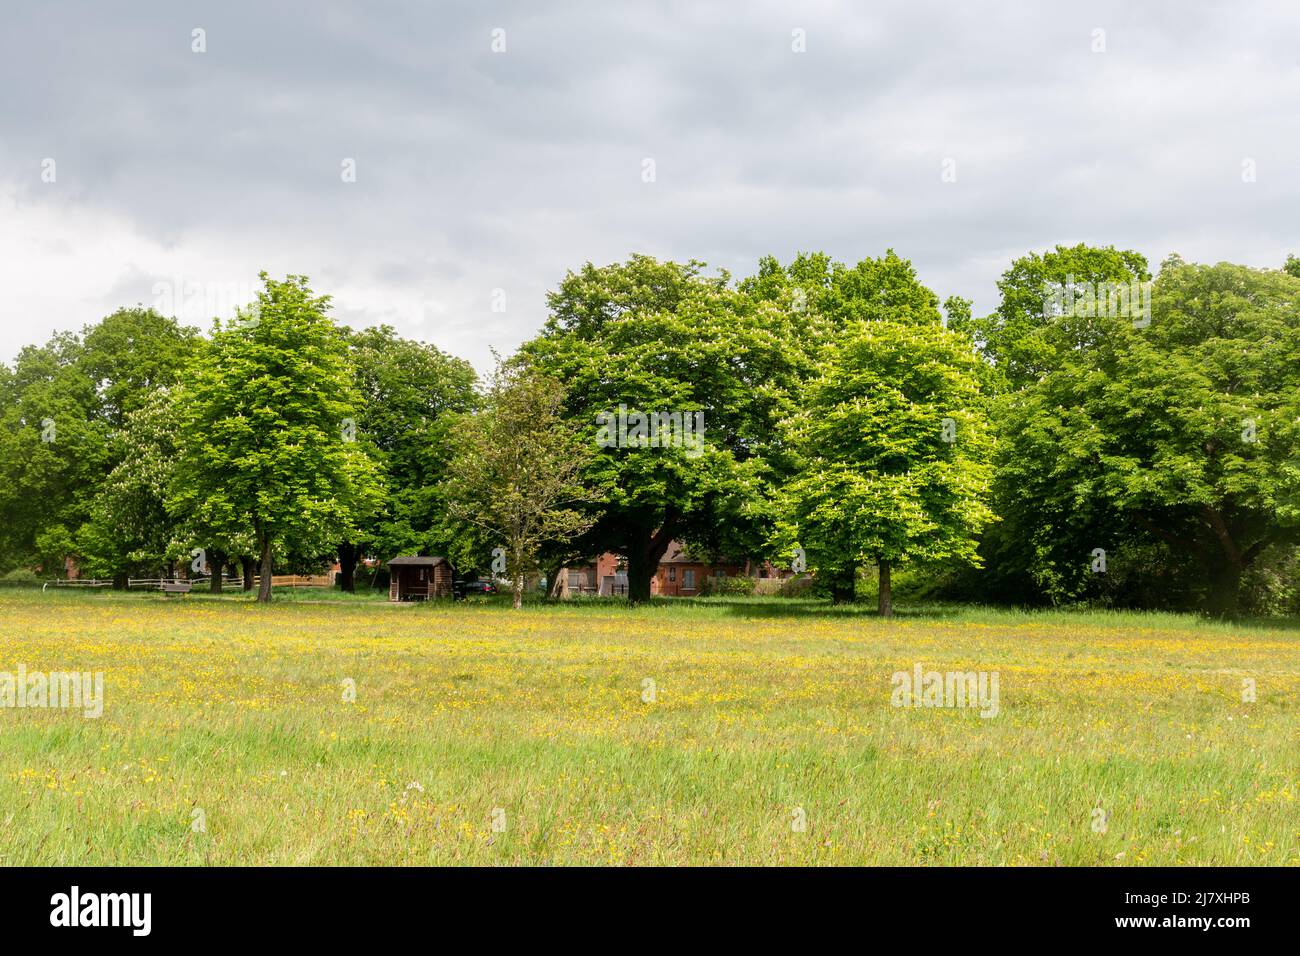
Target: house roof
x=676 y=554
x=416 y=561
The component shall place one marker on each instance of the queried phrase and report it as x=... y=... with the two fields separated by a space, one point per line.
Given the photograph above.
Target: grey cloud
x=479 y=171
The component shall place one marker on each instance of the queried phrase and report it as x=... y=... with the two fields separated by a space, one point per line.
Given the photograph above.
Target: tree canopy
x=266 y=429
x=660 y=338
x=1098 y=436
x=1185 y=430
x=893 y=443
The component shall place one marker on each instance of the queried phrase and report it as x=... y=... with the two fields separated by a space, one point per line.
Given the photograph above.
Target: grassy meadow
x=731 y=731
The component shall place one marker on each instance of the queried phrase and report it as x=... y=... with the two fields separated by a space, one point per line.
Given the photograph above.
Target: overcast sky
x=478 y=170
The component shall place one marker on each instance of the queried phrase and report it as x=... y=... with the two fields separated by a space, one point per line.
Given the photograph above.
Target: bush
x=739 y=586
x=20 y=577
x=799 y=586
x=1268 y=589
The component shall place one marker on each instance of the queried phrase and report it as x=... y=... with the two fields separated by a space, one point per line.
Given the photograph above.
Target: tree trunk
x=643 y=555
x=886 y=607
x=217 y=568
x=264 y=586
x=1225 y=588
x=553 y=581
x=1225 y=574
x=348 y=567
x=247 y=563
x=517 y=587
x=639 y=574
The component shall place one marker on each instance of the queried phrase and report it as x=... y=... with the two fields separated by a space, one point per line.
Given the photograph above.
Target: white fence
x=149 y=584
x=79 y=583
x=232 y=581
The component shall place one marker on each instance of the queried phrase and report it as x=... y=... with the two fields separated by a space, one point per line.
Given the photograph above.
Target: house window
x=672 y=573
x=577 y=580
x=688 y=580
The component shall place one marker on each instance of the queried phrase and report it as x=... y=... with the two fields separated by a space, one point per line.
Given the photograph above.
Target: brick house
x=680 y=574
x=606 y=576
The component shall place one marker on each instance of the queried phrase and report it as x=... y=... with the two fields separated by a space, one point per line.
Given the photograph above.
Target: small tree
x=894 y=446
x=265 y=443
x=516 y=470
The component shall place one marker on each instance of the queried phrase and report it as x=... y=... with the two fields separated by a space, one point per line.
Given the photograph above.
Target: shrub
x=740 y=585
x=20 y=577
x=1269 y=588
x=799 y=586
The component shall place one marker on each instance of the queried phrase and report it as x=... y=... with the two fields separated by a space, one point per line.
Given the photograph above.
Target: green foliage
x=831 y=294
x=130 y=355
x=265 y=417
x=59 y=407
x=1271 y=586
x=880 y=480
x=1028 y=334
x=131 y=530
x=410 y=395
x=659 y=337
x=738 y=585
x=51 y=450
x=517 y=470
x=21 y=576
x=912 y=584
x=1185 y=430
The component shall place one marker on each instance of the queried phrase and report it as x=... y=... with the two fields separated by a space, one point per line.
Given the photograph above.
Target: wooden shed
x=419 y=578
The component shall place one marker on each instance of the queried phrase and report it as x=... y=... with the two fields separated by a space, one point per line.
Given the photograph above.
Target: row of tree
x=1060 y=449
x=281 y=437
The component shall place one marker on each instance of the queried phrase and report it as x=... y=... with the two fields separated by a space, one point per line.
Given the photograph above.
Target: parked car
x=462 y=589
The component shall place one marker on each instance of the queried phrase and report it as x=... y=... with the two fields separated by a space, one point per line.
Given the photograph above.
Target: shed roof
x=417 y=561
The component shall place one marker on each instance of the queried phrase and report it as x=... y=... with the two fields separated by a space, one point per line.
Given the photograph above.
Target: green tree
x=131 y=530
x=516 y=471
x=410 y=393
x=59 y=407
x=1186 y=429
x=659 y=337
x=1046 y=313
x=53 y=454
x=131 y=354
x=264 y=430
x=825 y=295
x=1046 y=308
x=894 y=445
